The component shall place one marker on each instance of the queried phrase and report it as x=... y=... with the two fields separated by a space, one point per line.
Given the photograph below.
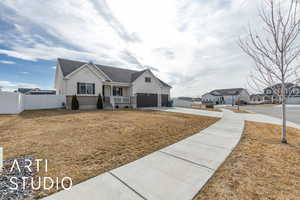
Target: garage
x=146 y=100
x=164 y=100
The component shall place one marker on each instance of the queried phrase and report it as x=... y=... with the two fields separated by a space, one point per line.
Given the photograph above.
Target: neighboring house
x=226 y=96
x=119 y=87
x=259 y=99
x=292 y=93
x=35 y=91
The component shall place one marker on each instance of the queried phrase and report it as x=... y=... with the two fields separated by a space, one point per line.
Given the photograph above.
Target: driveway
x=293 y=111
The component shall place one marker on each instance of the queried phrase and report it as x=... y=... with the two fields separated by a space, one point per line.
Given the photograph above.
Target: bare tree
x=275 y=49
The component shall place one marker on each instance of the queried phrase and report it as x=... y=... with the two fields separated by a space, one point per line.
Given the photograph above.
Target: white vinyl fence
x=14 y=103
x=36 y=102
x=181 y=103
x=10 y=103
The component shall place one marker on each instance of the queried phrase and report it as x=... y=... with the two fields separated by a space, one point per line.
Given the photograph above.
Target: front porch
x=117 y=96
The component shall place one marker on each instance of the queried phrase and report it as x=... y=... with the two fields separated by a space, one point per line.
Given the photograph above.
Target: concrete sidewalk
x=188 y=111
x=267 y=119
x=178 y=171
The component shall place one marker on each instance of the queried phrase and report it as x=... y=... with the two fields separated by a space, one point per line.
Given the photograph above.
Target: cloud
x=7 y=62
x=24 y=72
x=191 y=44
x=11 y=86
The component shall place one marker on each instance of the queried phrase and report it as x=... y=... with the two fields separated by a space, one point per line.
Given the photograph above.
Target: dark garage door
x=164 y=99
x=146 y=100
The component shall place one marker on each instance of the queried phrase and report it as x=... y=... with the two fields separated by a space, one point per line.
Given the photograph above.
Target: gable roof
x=114 y=73
x=226 y=92
x=278 y=86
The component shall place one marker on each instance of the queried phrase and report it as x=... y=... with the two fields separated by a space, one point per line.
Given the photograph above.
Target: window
x=295 y=91
x=117 y=91
x=268 y=91
x=85 y=88
x=148 y=79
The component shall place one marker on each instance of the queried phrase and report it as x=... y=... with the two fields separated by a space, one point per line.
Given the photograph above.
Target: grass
x=259 y=168
x=83 y=144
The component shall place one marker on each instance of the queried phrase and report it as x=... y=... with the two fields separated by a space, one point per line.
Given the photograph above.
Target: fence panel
x=37 y=102
x=10 y=103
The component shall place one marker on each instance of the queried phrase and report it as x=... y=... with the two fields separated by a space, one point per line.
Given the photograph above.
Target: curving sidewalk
x=178 y=171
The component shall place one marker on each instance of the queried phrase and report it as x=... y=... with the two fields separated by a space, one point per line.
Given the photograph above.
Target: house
x=119 y=87
x=259 y=99
x=272 y=94
x=226 y=96
x=35 y=91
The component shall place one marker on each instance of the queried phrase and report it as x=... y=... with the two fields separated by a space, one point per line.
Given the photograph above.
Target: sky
x=190 y=44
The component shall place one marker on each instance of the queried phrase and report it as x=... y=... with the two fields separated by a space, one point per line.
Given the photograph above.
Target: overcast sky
x=190 y=44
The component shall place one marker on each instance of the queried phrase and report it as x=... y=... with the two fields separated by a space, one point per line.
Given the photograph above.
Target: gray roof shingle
x=114 y=73
x=227 y=92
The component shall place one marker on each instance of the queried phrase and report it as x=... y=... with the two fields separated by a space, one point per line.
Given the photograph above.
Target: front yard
x=83 y=144
x=259 y=168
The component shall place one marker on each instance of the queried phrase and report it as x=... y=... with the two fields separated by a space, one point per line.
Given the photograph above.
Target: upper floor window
x=117 y=91
x=85 y=88
x=295 y=91
x=268 y=91
x=148 y=79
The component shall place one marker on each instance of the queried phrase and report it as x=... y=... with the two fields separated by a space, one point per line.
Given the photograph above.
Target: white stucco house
x=119 y=87
x=226 y=96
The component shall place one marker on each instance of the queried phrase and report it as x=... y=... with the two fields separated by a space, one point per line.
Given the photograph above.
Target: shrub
x=209 y=106
x=99 y=102
x=75 y=103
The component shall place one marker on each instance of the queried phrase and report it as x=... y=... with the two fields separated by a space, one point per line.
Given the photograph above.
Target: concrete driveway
x=293 y=111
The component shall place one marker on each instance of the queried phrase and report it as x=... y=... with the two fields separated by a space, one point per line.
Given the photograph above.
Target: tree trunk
x=238 y=103
x=283 y=132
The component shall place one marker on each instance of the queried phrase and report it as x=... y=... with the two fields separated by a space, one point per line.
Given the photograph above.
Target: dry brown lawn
x=259 y=168
x=83 y=144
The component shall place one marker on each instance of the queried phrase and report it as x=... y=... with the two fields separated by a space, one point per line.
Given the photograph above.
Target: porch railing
x=119 y=100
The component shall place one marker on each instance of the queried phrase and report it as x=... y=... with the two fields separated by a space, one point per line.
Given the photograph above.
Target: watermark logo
x=22 y=174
